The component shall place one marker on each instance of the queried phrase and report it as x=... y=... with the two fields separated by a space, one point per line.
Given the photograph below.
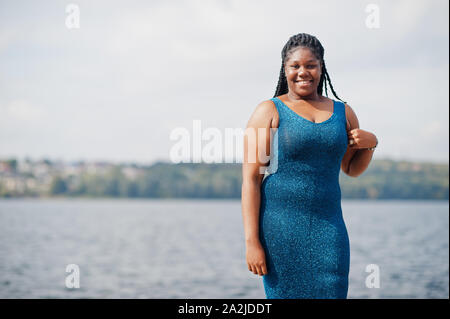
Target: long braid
x=282 y=83
x=331 y=85
x=312 y=43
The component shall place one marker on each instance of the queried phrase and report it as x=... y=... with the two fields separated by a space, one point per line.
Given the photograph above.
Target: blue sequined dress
x=301 y=226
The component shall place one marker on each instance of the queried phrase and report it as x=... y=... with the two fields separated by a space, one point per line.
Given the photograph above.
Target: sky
x=116 y=87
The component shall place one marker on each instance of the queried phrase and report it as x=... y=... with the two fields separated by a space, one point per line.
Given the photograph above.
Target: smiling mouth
x=303 y=82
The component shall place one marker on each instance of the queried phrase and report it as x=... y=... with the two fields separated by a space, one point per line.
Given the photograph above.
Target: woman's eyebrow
x=311 y=60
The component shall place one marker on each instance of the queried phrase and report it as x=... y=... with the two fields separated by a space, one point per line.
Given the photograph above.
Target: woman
x=295 y=234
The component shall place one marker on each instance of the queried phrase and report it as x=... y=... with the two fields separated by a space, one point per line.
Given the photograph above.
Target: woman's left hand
x=358 y=138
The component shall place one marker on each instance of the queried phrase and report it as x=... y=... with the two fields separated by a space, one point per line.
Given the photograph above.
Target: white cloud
x=22 y=110
x=435 y=129
x=133 y=71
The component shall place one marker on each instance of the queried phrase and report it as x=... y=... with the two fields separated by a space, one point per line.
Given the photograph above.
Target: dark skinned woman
x=295 y=234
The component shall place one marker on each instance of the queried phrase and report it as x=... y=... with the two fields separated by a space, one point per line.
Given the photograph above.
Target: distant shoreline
x=383 y=179
x=181 y=199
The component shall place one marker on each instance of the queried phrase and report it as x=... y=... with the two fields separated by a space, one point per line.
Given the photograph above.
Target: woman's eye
x=311 y=66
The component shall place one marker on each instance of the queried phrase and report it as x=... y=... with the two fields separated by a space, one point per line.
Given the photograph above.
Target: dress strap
x=275 y=101
x=341 y=109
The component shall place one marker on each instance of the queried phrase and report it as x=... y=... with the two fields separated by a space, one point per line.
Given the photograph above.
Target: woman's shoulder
x=265 y=113
x=351 y=118
x=267 y=107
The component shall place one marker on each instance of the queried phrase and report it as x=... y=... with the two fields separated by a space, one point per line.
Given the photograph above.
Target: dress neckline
x=314 y=123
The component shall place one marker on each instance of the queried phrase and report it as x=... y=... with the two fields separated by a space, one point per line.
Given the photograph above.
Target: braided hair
x=312 y=43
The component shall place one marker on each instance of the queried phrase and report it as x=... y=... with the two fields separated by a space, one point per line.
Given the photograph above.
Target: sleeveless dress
x=301 y=227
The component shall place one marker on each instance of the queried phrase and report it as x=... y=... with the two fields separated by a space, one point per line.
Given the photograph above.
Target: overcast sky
x=116 y=87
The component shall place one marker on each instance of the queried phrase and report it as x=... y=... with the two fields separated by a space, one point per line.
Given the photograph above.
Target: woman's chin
x=304 y=91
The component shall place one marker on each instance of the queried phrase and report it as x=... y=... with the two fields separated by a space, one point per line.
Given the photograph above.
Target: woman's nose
x=301 y=70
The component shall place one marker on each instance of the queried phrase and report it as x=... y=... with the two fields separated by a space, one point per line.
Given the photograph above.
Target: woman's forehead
x=302 y=54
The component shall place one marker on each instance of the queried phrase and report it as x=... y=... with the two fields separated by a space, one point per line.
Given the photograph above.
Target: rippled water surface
x=195 y=249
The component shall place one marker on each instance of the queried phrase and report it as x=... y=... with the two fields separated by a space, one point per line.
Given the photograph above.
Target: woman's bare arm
x=357 y=158
x=256 y=148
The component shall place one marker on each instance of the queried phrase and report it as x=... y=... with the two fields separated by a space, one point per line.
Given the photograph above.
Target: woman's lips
x=304 y=83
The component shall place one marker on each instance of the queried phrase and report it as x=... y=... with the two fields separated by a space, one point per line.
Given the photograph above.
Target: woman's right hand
x=256 y=258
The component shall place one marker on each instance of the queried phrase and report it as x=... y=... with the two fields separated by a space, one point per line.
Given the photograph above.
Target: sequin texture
x=301 y=226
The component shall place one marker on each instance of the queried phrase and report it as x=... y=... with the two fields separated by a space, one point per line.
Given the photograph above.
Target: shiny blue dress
x=301 y=227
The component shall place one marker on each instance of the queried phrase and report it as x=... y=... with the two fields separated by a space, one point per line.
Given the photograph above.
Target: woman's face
x=303 y=71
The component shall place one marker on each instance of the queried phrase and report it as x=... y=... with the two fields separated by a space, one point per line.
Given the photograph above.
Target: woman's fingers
x=255 y=269
x=264 y=269
x=353 y=141
x=258 y=270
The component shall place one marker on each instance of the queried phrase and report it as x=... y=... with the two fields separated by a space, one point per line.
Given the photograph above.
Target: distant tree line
x=384 y=179
x=162 y=180
x=388 y=179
